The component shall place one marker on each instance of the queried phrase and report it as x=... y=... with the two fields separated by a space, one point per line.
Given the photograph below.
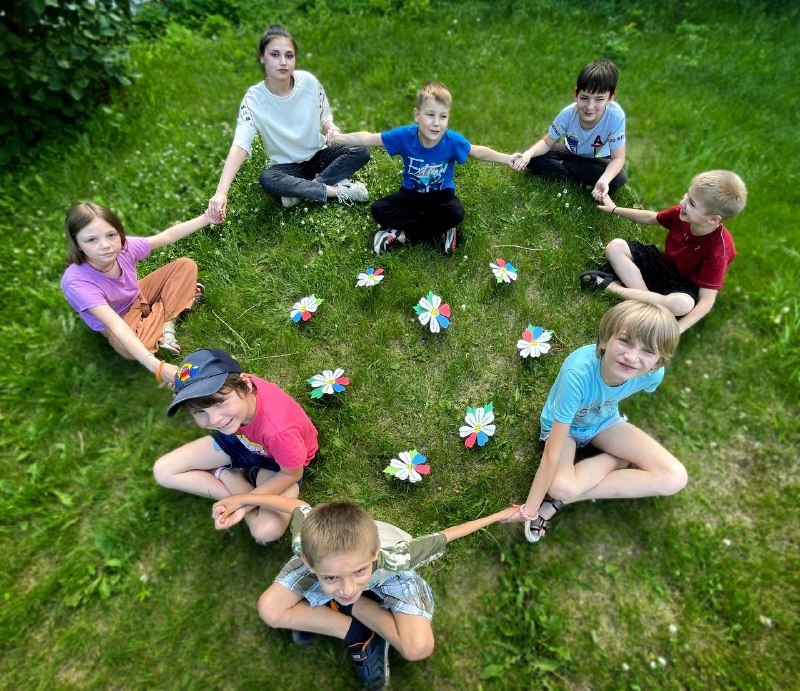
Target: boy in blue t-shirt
x=592 y=130
x=426 y=207
x=634 y=342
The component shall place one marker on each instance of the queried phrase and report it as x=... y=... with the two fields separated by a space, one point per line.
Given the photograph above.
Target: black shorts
x=660 y=277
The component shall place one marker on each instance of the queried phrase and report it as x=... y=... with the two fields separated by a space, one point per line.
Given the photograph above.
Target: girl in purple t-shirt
x=101 y=284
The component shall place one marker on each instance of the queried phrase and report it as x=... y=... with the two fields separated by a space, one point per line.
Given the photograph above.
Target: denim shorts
x=584 y=435
x=244 y=460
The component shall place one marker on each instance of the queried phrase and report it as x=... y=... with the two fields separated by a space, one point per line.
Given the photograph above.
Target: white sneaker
x=449 y=240
x=384 y=240
x=289 y=202
x=349 y=191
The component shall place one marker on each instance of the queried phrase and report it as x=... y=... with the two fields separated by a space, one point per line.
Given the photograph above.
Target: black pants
x=423 y=216
x=560 y=163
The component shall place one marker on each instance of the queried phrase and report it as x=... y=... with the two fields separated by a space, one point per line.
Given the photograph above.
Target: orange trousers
x=163 y=295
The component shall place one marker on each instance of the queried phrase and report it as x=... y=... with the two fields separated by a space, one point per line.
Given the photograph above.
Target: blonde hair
x=653 y=326
x=722 y=192
x=436 y=91
x=337 y=528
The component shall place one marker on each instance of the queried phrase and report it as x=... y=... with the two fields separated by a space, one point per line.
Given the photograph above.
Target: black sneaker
x=449 y=241
x=371 y=661
x=303 y=637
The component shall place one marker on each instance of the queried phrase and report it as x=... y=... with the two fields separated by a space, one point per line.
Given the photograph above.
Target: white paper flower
x=305 y=308
x=410 y=466
x=434 y=313
x=370 y=277
x=479 y=425
x=330 y=381
x=534 y=341
x=503 y=271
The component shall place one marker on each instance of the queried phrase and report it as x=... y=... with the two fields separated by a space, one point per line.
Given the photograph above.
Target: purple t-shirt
x=86 y=287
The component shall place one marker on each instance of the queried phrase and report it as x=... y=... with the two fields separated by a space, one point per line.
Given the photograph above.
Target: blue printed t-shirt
x=597 y=142
x=579 y=396
x=426 y=169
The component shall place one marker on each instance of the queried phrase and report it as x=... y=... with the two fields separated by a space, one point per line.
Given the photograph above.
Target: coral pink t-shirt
x=280 y=429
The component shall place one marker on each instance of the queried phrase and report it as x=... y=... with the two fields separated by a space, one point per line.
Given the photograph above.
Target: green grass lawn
x=113 y=582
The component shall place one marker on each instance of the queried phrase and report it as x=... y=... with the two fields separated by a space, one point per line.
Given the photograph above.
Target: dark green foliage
x=57 y=60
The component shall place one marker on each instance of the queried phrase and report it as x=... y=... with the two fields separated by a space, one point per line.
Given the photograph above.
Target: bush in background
x=57 y=60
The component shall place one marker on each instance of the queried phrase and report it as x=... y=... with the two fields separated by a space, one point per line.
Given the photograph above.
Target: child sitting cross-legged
x=342 y=553
x=698 y=249
x=426 y=208
x=261 y=439
x=634 y=343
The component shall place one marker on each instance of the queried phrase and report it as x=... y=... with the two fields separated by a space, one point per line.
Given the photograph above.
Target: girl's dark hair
x=233 y=382
x=80 y=216
x=274 y=31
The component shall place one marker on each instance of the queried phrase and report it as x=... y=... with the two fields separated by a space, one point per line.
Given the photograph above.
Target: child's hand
x=600 y=191
x=330 y=136
x=217 y=207
x=227 y=512
x=519 y=161
x=606 y=204
x=168 y=373
x=511 y=514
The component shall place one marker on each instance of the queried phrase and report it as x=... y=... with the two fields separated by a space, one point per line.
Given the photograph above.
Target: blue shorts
x=583 y=435
x=243 y=459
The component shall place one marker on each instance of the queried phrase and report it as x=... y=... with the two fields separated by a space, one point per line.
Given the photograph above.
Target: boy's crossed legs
x=191 y=468
x=633 y=285
x=607 y=475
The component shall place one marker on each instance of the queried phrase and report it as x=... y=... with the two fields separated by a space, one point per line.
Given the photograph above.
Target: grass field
x=113 y=582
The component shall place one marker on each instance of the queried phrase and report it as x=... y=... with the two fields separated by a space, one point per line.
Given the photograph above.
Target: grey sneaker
x=289 y=202
x=384 y=240
x=349 y=191
x=449 y=240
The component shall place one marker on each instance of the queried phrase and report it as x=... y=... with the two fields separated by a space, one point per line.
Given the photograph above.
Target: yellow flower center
x=434 y=311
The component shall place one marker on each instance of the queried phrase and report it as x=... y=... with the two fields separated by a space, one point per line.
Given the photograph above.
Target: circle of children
x=353 y=577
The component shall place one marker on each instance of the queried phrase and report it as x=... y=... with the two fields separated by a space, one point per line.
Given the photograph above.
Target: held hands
x=217 y=208
x=606 y=204
x=227 y=512
x=600 y=191
x=520 y=161
x=330 y=135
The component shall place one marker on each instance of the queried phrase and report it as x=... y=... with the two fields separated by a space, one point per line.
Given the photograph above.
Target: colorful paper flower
x=503 y=271
x=433 y=312
x=328 y=382
x=370 y=277
x=479 y=425
x=534 y=341
x=410 y=466
x=304 y=310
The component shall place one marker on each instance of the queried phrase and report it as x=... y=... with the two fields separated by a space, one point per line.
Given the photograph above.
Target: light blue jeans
x=308 y=179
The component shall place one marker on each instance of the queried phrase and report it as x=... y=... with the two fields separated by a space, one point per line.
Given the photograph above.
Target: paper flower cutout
x=370 y=277
x=304 y=310
x=410 y=466
x=503 y=271
x=328 y=382
x=479 y=425
x=431 y=311
x=534 y=341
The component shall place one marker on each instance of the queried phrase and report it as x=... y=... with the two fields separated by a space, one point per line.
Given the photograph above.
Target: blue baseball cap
x=201 y=374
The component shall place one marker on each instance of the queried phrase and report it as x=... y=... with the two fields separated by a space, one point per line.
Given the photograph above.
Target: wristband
x=613 y=210
x=526 y=515
x=141 y=362
x=158 y=370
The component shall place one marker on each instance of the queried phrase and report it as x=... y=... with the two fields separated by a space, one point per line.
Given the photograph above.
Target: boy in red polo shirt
x=698 y=249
